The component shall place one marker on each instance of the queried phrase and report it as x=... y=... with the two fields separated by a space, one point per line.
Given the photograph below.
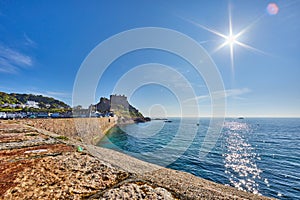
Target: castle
x=118 y=105
x=116 y=102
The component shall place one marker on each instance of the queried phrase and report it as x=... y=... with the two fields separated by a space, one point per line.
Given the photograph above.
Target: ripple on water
x=240 y=158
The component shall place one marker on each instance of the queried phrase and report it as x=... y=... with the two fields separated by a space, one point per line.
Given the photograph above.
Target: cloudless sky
x=43 y=43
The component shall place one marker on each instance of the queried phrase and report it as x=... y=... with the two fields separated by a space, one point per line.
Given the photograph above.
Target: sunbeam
x=231 y=39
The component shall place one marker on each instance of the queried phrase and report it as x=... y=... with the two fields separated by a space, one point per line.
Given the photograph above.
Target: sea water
x=258 y=155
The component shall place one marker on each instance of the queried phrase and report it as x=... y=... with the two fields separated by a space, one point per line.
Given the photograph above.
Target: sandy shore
x=37 y=163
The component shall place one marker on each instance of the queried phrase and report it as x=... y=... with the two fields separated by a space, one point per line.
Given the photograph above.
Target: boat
x=168 y=121
x=241 y=118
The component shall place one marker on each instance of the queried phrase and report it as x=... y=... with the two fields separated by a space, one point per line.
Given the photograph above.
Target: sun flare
x=231 y=39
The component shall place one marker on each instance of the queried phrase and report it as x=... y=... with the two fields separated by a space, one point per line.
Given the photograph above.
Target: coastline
x=41 y=155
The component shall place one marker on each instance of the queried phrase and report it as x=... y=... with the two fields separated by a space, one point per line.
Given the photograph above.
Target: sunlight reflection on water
x=239 y=158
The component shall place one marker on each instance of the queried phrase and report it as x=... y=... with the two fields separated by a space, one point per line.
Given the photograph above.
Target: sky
x=255 y=49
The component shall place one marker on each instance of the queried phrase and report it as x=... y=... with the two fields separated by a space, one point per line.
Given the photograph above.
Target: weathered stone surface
x=33 y=169
x=27 y=143
x=12 y=127
x=13 y=136
x=188 y=186
x=19 y=137
x=128 y=163
x=129 y=191
x=34 y=151
x=9 y=171
x=71 y=175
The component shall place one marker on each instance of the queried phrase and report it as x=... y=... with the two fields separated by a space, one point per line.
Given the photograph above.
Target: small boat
x=241 y=118
x=168 y=121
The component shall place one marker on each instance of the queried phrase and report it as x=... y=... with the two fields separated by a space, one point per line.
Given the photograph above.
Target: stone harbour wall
x=88 y=130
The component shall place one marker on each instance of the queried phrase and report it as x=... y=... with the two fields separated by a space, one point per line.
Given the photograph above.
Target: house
x=2 y=115
x=32 y=104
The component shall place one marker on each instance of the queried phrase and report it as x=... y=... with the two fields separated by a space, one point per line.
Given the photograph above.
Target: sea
x=258 y=155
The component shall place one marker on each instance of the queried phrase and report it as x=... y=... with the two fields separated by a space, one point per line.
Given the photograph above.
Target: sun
x=231 y=39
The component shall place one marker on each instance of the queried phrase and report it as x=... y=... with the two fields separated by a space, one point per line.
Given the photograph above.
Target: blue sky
x=43 y=44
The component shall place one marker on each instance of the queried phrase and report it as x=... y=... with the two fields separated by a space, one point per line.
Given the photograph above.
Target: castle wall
x=118 y=100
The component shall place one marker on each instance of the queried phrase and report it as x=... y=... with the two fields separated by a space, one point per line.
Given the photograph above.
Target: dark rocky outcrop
x=104 y=105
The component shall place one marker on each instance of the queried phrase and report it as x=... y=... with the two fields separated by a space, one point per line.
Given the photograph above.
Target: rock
x=137 y=191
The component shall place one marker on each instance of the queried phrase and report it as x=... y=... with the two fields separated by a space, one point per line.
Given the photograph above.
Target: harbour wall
x=88 y=130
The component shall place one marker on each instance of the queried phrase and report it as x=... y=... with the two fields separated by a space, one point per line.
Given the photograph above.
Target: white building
x=32 y=104
x=2 y=115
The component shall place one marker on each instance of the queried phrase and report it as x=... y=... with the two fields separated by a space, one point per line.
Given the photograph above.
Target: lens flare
x=232 y=39
x=272 y=9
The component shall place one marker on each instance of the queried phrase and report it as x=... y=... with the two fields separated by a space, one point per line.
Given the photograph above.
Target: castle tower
x=118 y=102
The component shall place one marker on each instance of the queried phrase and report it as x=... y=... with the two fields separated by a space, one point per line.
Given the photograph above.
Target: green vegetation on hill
x=128 y=114
x=6 y=98
x=45 y=103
